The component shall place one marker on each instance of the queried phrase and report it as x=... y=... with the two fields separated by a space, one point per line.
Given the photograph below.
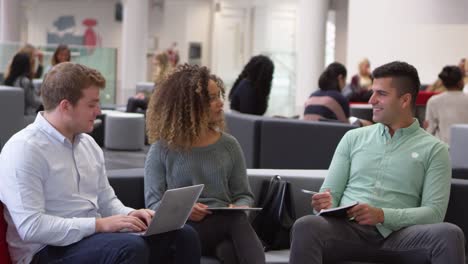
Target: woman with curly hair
x=251 y=90
x=185 y=125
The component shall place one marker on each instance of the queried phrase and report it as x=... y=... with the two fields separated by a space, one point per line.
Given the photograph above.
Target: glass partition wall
x=102 y=59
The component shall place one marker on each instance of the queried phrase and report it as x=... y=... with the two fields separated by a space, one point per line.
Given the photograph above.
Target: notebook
x=173 y=211
x=337 y=211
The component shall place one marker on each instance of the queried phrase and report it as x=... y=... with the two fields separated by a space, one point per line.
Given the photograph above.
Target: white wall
x=274 y=27
x=341 y=34
x=174 y=29
x=10 y=13
x=198 y=26
x=155 y=27
x=426 y=33
x=187 y=21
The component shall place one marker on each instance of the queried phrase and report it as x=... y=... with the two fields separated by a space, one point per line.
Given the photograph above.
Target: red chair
x=4 y=254
x=423 y=97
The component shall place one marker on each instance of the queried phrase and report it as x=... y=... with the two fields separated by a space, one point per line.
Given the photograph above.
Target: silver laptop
x=174 y=210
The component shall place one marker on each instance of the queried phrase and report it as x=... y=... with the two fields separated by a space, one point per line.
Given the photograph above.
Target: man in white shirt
x=59 y=205
x=448 y=108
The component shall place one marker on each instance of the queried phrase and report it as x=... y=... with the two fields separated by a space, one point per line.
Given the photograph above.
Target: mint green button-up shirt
x=407 y=175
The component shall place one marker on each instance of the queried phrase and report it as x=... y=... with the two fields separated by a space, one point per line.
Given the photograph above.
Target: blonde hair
x=361 y=63
x=162 y=68
x=179 y=109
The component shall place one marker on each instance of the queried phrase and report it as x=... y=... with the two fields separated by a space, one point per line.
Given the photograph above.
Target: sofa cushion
x=459 y=145
x=128 y=185
x=11 y=112
x=246 y=129
x=4 y=253
x=456 y=211
x=460 y=173
x=295 y=144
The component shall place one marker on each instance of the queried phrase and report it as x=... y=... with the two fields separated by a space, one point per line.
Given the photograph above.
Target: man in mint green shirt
x=399 y=174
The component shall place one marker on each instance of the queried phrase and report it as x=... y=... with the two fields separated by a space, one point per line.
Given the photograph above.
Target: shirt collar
x=402 y=131
x=45 y=126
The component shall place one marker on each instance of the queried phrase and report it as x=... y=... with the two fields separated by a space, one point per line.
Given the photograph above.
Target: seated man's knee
x=133 y=247
x=309 y=225
x=449 y=232
x=188 y=236
x=443 y=232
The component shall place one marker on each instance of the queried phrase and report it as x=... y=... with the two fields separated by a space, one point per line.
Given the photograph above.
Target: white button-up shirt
x=53 y=190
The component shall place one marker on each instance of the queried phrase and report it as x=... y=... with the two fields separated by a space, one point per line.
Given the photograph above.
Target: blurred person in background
x=20 y=75
x=449 y=107
x=61 y=54
x=34 y=54
x=251 y=90
x=162 y=66
x=361 y=83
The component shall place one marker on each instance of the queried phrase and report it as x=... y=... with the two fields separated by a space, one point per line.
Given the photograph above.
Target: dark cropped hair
x=451 y=76
x=328 y=80
x=259 y=71
x=404 y=78
x=20 y=66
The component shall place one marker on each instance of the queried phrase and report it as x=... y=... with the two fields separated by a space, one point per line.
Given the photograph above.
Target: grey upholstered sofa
x=278 y=143
x=246 y=129
x=128 y=185
x=297 y=144
x=459 y=145
x=11 y=112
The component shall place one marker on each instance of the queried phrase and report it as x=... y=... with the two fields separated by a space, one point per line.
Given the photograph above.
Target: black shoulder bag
x=273 y=223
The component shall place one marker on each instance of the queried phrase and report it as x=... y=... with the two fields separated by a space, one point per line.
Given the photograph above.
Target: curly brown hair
x=179 y=109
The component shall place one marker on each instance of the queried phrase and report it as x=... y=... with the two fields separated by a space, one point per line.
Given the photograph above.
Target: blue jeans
x=180 y=246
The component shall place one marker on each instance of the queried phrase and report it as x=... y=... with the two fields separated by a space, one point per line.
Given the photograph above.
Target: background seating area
x=124 y=131
x=128 y=185
x=459 y=146
x=277 y=143
x=11 y=112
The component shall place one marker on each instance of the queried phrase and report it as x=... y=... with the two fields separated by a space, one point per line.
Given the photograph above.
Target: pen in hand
x=308 y=191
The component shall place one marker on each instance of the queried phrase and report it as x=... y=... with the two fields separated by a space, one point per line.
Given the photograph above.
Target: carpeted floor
x=125 y=159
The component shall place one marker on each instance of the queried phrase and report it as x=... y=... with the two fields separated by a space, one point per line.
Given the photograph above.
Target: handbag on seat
x=273 y=223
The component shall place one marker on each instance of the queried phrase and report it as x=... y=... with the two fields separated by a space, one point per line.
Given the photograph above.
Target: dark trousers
x=229 y=237
x=135 y=105
x=317 y=239
x=181 y=246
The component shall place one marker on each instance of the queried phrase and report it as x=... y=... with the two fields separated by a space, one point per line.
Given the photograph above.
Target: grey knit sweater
x=219 y=166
